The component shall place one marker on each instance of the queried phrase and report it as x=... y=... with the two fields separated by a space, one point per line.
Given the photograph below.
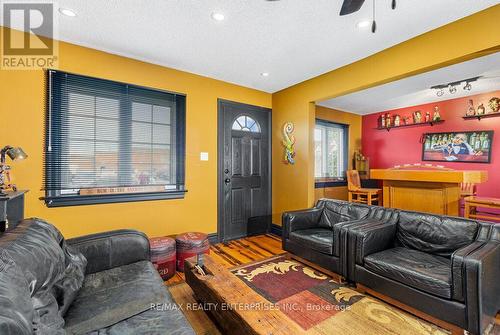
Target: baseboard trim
x=213 y=238
x=276 y=230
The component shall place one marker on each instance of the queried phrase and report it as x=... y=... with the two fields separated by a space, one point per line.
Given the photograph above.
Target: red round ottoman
x=163 y=255
x=189 y=245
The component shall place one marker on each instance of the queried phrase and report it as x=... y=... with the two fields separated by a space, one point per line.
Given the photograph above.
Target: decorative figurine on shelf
x=437 y=115
x=288 y=143
x=14 y=154
x=407 y=120
x=417 y=117
x=427 y=116
x=480 y=110
x=494 y=104
x=388 y=121
x=397 y=121
x=381 y=121
x=470 y=108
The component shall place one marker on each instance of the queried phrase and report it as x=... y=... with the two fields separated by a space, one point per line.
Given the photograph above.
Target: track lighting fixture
x=452 y=87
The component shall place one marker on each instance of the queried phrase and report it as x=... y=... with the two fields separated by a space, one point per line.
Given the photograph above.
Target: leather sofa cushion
x=16 y=308
x=438 y=235
x=162 y=319
x=339 y=211
x=423 y=271
x=114 y=295
x=52 y=271
x=319 y=239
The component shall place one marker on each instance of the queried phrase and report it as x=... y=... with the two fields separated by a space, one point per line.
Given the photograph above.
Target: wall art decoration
x=466 y=146
x=289 y=143
x=470 y=108
x=417 y=117
x=494 y=105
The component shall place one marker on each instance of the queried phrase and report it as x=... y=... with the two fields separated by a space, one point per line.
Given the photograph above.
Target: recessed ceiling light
x=67 y=12
x=363 y=24
x=218 y=16
x=265 y=74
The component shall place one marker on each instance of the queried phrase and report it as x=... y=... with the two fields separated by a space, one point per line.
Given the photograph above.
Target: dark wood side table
x=11 y=209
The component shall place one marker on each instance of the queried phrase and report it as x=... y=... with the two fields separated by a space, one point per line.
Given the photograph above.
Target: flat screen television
x=458 y=146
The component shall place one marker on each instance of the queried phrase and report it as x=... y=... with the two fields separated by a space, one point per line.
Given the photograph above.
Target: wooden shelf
x=479 y=117
x=430 y=123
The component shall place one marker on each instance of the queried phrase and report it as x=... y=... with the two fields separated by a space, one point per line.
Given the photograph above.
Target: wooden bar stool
x=466 y=190
x=362 y=195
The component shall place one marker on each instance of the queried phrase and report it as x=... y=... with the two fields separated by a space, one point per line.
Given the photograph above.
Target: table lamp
x=14 y=154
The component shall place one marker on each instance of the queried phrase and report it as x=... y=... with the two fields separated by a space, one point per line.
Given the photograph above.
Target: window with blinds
x=111 y=142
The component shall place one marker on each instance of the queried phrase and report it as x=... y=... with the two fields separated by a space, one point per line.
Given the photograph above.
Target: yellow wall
x=468 y=38
x=339 y=192
x=354 y=122
x=22 y=114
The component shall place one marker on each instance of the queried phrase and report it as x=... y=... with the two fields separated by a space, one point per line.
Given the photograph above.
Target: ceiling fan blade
x=351 y=6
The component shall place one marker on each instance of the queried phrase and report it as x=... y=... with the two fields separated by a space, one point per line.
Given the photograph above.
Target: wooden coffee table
x=235 y=306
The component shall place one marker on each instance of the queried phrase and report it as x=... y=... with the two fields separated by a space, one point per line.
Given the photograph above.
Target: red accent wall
x=402 y=146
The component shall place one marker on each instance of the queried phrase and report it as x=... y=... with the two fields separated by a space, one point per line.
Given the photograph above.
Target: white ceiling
x=292 y=40
x=416 y=90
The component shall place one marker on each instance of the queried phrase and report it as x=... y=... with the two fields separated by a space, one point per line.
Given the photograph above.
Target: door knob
x=227 y=181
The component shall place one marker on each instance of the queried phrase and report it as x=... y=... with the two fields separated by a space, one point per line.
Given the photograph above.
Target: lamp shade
x=16 y=153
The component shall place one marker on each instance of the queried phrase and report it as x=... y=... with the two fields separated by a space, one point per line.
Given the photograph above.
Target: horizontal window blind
x=107 y=138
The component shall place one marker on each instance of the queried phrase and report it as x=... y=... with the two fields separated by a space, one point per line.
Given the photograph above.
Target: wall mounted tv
x=459 y=146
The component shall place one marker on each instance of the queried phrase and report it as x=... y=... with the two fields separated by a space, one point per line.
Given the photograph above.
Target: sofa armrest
x=303 y=219
x=482 y=287
x=112 y=249
x=364 y=240
x=458 y=259
x=341 y=243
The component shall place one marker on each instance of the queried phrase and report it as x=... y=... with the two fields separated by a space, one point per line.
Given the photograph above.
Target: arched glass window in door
x=246 y=123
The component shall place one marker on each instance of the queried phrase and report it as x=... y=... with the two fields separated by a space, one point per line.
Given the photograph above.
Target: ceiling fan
x=352 y=6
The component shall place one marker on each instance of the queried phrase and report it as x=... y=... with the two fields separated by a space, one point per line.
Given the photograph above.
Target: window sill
x=329 y=183
x=79 y=200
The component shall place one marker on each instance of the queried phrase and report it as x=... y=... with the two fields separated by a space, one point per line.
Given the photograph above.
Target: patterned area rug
x=321 y=306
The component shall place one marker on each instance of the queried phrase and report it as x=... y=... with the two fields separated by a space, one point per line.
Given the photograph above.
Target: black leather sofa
x=96 y=284
x=446 y=267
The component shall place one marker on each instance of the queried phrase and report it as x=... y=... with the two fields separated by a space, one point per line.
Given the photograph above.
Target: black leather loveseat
x=96 y=284
x=446 y=267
